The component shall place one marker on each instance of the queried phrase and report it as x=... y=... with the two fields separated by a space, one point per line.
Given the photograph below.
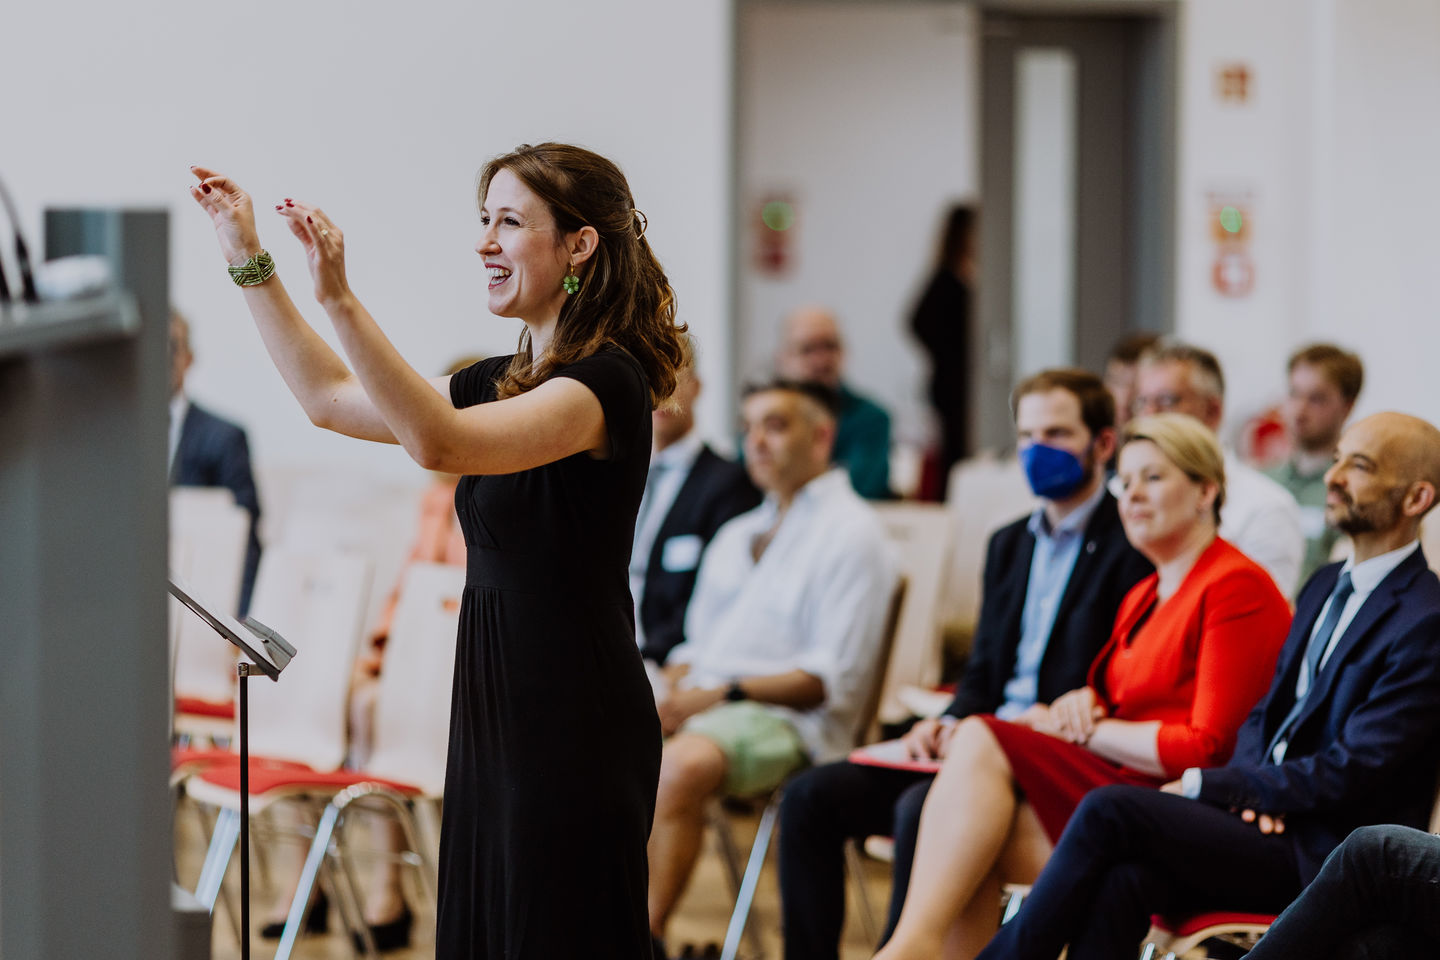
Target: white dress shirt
x=815 y=601
x=1262 y=520
x=668 y=470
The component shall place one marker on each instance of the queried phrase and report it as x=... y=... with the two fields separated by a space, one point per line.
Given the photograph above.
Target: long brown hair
x=624 y=299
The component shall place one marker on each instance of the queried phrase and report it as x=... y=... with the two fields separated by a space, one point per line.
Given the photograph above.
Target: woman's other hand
x=1075 y=714
x=231 y=213
x=927 y=739
x=324 y=248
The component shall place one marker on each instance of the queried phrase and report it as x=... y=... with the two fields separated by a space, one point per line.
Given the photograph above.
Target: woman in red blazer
x=1193 y=649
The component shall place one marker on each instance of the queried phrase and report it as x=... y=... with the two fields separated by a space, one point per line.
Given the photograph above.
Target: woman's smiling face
x=522 y=251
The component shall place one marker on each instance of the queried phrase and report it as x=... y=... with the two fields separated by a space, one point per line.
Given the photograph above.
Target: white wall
x=383 y=115
x=866 y=113
x=1340 y=146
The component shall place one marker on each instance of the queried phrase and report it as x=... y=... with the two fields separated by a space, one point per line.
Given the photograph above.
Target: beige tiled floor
x=702 y=916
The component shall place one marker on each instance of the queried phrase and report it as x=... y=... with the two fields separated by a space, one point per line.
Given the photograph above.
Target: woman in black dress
x=554 y=742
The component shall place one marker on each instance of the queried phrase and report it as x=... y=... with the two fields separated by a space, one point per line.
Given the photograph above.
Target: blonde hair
x=1187 y=443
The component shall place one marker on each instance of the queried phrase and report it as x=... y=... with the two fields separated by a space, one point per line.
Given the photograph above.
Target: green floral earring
x=571 y=283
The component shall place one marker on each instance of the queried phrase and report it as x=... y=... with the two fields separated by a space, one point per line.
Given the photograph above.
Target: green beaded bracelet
x=257 y=269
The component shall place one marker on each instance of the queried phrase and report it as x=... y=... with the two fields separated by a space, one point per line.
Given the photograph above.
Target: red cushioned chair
x=317 y=600
x=405 y=776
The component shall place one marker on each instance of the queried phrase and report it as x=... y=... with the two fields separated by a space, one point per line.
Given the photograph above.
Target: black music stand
x=269 y=654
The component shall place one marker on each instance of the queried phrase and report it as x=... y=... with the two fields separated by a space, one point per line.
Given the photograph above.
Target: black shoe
x=394 y=935
x=317 y=919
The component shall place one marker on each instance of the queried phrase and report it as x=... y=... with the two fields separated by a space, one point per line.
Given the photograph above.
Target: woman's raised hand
x=324 y=248
x=231 y=212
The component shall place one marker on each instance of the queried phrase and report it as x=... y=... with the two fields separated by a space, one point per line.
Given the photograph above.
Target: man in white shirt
x=782 y=636
x=1260 y=517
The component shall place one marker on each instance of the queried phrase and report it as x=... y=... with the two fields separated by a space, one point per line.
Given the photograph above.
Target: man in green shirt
x=812 y=349
x=1324 y=382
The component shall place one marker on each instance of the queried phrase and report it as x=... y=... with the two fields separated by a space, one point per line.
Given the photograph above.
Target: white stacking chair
x=923 y=537
x=208 y=536
x=985 y=493
x=406 y=771
x=317 y=601
x=744 y=883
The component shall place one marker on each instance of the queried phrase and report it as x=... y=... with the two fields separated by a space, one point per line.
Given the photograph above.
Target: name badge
x=681 y=554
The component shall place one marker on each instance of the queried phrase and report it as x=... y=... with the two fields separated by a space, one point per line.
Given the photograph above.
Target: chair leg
x=729 y=850
x=745 y=901
x=217 y=858
x=346 y=875
x=306 y=884
x=856 y=865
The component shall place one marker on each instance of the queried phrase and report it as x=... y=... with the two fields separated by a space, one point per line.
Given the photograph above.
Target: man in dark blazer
x=1053 y=582
x=1348 y=735
x=209 y=451
x=690 y=492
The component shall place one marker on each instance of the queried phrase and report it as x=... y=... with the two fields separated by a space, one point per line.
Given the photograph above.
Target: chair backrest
x=372 y=517
x=316 y=599
x=412 y=710
x=921 y=534
x=208 y=535
x=985 y=493
x=866 y=728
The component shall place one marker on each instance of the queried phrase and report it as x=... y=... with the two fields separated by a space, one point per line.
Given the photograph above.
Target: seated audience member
x=1192 y=649
x=437 y=540
x=1324 y=382
x=812 y=351
x=782 y=637
x=1377 y=897
x=1053 y=582
x=1120 y=370
x=1260 y=518
x=209 y=451
x=690 y=492
x=1348 y=735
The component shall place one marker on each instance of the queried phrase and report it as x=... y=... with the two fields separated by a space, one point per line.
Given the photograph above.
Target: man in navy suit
x=1053 y=581
x=1349 y=734
x=208 y=451
x=690 y=492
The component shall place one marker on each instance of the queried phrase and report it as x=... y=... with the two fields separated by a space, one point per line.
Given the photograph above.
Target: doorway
x=1077 y=179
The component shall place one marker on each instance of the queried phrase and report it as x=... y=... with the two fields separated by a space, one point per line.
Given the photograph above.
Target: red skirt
x=1055 y=775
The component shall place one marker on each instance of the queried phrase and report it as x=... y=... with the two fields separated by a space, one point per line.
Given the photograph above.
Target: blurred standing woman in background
x=942 y=322
x=554 y=742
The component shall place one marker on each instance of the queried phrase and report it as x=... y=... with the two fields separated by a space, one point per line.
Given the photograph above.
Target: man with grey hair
x=1260 y=517
x=812 y=350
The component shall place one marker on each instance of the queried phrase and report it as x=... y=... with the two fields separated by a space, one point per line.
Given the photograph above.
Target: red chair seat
x=194 y=757
x=222 y=709
x=1191 y=925
x=267 y=775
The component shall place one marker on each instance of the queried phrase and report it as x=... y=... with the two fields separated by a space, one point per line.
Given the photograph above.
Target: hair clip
x=643 y=221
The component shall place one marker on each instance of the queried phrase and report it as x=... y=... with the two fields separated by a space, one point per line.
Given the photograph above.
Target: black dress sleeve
x=476 y=383
x=619 y=384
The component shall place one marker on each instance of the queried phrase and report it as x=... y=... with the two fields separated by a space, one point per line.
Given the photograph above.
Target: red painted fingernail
x=289 y=203
x=308 y=220
x=278 y=207
x=205 y=187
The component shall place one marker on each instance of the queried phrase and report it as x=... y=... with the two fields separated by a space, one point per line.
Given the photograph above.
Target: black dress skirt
x=554 y=741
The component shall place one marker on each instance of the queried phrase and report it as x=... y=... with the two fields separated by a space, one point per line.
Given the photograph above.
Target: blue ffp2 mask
x=1053 y=473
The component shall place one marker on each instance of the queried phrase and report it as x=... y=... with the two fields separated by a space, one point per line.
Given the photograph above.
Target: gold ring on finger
x=324 y=232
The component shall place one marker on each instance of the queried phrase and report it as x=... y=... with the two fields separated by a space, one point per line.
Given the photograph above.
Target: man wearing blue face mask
x=1053 y=582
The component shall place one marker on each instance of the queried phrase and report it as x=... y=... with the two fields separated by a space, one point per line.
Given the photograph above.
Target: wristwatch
x=735 y=693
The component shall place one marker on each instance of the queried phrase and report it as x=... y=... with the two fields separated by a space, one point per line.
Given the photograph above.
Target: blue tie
x=1311 y=667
